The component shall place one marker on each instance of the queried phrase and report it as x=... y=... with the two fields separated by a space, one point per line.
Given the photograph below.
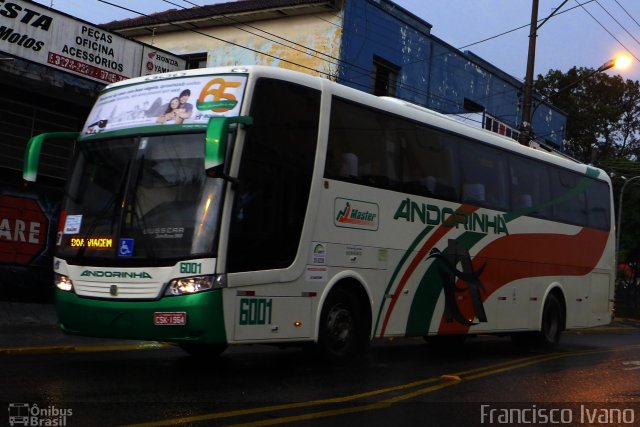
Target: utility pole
x=525 y=127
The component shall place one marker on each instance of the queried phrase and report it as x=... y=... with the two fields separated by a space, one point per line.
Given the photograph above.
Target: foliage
x=603 y=110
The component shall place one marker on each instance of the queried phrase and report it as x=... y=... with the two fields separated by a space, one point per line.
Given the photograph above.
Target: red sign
x=23 y=230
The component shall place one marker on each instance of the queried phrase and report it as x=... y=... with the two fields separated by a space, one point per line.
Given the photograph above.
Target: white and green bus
x=226 y=206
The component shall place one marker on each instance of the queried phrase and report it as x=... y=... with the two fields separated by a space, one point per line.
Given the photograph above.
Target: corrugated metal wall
x=19 y=121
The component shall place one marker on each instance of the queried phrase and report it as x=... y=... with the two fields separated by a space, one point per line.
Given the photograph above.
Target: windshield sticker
x=72 y=224
x=318 y=254
x=125 y=248
x=156 y=103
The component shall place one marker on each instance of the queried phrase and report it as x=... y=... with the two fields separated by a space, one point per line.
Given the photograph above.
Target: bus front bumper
x=204 y=319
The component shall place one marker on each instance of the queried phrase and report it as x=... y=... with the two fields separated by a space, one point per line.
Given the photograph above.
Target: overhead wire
x=618 y=22
x=236 y=21
x=627 y=12
x=607 y=30
x=409 y=88
x=221 y=39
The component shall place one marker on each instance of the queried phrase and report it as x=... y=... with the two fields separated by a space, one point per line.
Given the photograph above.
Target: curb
x=81 y=349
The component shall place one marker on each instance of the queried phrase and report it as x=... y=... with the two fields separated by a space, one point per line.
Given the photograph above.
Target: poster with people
x=189 y=100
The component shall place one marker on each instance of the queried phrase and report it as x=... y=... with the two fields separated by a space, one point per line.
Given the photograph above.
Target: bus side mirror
x=32 y=154
x=216 y=141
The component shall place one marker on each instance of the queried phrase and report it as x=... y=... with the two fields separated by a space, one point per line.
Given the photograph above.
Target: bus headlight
x=63 y=282
x=194 y=284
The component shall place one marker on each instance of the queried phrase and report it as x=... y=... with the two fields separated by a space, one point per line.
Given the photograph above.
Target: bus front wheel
x=343 y=334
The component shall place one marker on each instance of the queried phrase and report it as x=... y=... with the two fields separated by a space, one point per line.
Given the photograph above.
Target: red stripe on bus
x=520 y=256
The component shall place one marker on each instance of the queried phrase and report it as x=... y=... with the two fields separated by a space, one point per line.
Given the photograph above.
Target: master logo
x=355 y=214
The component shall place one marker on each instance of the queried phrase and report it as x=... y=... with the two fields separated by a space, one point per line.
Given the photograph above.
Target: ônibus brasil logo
x=355 y=214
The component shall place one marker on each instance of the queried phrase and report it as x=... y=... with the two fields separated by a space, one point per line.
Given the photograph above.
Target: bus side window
x=570 y=203
x=599 y=207
x=530 y=187
x=484 y=176
x=429 y=163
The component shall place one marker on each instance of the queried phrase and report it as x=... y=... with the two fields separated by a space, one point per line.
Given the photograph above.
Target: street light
x=620 y=216
x=620 y=62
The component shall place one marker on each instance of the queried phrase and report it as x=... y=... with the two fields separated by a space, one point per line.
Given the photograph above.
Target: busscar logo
x=356 y=214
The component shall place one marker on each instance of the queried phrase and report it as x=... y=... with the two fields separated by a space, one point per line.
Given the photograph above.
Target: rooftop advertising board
x=188 y=100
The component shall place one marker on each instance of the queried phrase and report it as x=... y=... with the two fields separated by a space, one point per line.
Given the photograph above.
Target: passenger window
x=599 y=206
x=484 y=176
x=362 y=145
x=530 y=190
x=570 y=202
x=429 y=164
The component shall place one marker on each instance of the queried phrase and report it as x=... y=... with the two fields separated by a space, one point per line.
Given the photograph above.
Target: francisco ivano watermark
x=535 y=414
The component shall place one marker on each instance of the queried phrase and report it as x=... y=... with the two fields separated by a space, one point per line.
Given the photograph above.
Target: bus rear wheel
x=343 y=334
x=552 y=322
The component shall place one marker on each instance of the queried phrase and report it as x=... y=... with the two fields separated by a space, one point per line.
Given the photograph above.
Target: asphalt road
x=593 y=378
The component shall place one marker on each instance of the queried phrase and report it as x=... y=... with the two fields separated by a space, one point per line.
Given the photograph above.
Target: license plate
x=170 y=318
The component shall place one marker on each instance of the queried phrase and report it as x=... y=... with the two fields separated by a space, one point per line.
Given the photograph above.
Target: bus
x=245 y=205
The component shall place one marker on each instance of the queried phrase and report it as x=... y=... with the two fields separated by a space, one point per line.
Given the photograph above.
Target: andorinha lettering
x=427 y=214
x=17 y=230
x=26 y=16
x=117 y=274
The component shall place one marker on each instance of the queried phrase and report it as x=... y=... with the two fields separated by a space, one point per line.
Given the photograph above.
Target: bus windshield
x=140 y=198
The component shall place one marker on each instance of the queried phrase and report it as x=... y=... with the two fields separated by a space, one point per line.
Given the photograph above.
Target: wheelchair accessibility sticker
x=125 y=248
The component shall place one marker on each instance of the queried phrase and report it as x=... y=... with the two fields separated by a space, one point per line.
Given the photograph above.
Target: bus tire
x=343 y=334
x=203 y=350
x=552 y=322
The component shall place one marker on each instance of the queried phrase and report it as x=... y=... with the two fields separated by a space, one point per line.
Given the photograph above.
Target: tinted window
x=570 y=202
x=275 y=177
x=484 y=176
x=374 y=148
x=599 y=207
x=530 y=187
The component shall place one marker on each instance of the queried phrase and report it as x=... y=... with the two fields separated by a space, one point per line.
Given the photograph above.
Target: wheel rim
x=339 y=328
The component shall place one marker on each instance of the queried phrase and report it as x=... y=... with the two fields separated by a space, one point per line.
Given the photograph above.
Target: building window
x=472 y=106
x=385 y=77
x=195 y=60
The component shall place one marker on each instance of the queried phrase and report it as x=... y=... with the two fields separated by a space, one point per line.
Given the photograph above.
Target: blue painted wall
x=432 y=73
